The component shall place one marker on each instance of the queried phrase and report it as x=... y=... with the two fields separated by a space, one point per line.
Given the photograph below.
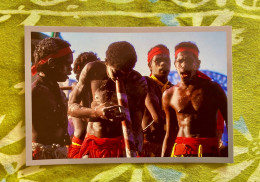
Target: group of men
x=162 y=119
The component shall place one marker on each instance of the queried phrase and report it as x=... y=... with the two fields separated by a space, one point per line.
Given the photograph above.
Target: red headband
x=62 y=52
x=157 y=50
x=189 y=49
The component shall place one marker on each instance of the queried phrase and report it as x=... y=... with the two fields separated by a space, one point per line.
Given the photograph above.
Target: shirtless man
x=53 y=59
x=79 y=125
x=154 y=118
x=104 y=131
x=195 y=101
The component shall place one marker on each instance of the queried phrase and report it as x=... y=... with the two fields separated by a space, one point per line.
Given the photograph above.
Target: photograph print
x=128 y=95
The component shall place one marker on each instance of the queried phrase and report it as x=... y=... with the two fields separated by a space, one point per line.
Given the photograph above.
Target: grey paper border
x=28 y=105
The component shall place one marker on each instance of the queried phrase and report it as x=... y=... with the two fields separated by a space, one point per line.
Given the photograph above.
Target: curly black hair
x=158 y=45
x=46 y=47
x=82 y=60
x=121 y=55
x=187 y=44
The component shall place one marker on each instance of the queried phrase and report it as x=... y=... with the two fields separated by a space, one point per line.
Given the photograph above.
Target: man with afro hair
x=104 y=131
x=53 y=59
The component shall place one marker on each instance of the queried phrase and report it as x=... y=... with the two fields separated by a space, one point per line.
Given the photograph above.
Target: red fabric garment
x=189 y=49
x=155 y=51
x=96 y=147
x=220 y=122
x=63 y=52
x=74 y=148
x=202 y=75
x=35 y=153
x=185 y=146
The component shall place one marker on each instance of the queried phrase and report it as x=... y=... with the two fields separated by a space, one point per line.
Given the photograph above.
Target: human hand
x=115 y=113
x=112 y=113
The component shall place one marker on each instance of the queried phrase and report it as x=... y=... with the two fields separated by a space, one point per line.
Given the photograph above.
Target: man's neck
x=162 y=79
x=187 y=83
x=47 y=78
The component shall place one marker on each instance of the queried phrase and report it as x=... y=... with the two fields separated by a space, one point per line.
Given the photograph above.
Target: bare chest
x=188 y=100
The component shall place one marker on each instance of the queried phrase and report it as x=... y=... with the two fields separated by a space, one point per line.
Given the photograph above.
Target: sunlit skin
x=95 y=79
x=91 y=82
x=194 y=101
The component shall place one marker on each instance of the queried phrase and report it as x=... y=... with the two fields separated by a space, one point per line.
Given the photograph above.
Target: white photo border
x=28 y=103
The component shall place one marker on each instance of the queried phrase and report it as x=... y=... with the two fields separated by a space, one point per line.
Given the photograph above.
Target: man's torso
x=49 y=113
x=103 y=92
x=196 y=109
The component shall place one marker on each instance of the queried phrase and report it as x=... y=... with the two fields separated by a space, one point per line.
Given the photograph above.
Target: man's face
x=160 y=65
x=63 y=68
x=115 y=73
x=186 y=64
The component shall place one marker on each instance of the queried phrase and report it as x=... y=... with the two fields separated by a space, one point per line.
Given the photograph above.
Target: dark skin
x=45 y=102
x=160 y=67
x=97 y=78
x=194 y=102
x=79 y=124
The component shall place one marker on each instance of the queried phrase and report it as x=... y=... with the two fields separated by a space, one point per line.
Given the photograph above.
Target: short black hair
x=187 y=44
x=121 y=55
x=158 y=45
x=83 y=59
x=46 y=47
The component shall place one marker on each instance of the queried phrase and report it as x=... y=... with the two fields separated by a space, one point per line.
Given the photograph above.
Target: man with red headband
x=154 y=118
x=53 y=59
x=195 y=102
x=104 y=137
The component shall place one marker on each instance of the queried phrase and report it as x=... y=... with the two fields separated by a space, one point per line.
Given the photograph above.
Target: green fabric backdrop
x=242 y=15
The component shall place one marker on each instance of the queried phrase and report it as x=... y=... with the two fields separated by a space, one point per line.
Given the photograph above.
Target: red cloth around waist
x=185 y=146
x=73 y=151
x=96 y=147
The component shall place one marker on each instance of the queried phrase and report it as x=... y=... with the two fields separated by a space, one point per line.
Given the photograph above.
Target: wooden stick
x=66 y=88
x=126 y=124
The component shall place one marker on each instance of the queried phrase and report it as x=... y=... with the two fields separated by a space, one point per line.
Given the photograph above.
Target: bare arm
x=151 y=107
x=170 y=125
x=75 y=109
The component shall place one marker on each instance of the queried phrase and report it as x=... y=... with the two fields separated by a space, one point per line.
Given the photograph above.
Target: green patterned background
x=242 y=15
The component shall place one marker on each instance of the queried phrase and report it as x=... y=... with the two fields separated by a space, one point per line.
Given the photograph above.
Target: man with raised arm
x=79 y=125
x=104 y=131
x=154 y=118
x=53 y=59
x=195 y=102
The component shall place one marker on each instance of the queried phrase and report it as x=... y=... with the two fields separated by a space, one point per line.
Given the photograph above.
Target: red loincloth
x=74 y=148
x=96 y=147
x=193 y=146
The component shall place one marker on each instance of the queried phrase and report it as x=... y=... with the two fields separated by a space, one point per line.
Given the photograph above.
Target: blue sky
x=212 y=46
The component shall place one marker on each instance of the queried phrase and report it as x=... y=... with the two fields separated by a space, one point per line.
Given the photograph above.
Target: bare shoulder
x=167 y=94
x=213 y=85
x=137 y=84
x=91 y=70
